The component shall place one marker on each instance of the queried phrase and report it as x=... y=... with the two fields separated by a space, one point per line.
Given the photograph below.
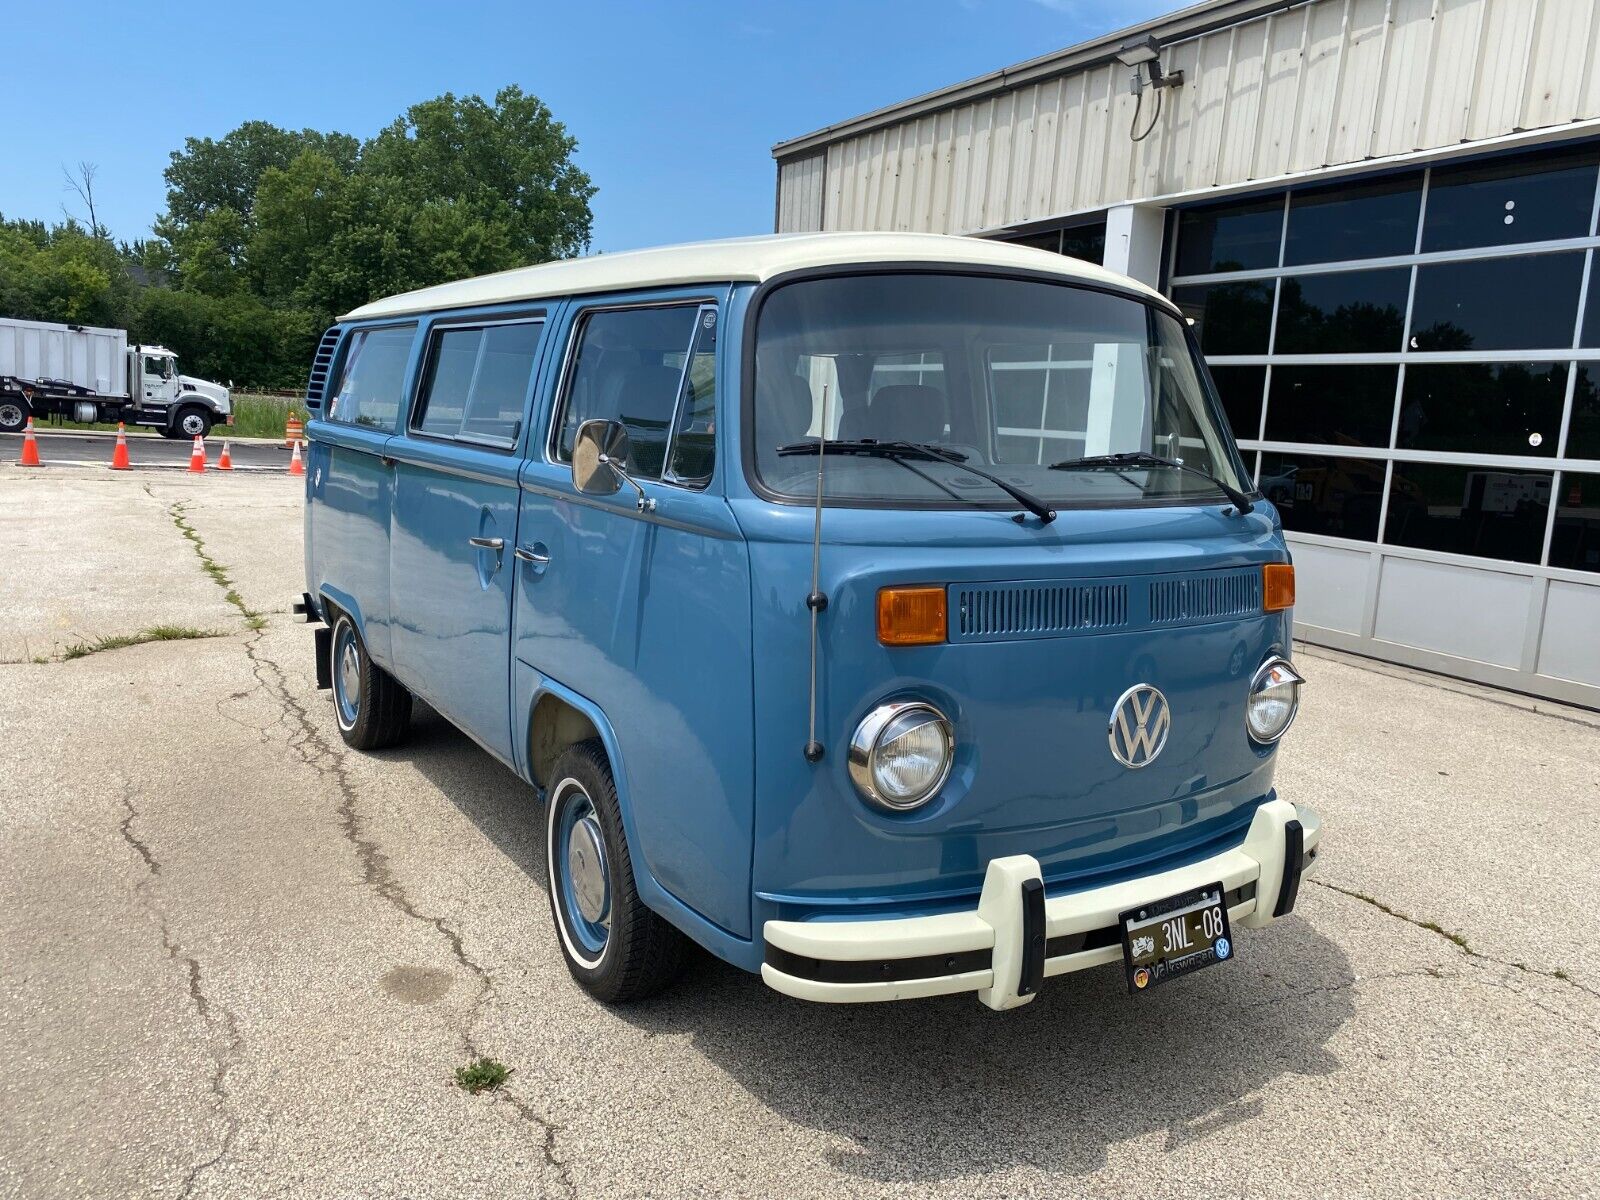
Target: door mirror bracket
x=598 y=453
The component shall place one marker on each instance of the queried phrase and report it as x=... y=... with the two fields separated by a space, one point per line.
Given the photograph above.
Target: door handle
x=487 y=543
x=528 y=555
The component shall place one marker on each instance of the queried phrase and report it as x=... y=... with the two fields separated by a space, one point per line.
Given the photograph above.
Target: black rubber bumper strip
x=324 y=645
x=1033 y=943
x=873 y=970
x=1294 y=848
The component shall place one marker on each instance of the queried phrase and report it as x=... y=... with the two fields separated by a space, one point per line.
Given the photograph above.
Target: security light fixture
x=1147 y=53
x=1142 y=51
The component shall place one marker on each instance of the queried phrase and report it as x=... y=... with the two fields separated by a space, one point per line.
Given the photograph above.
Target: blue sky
x=675 y=106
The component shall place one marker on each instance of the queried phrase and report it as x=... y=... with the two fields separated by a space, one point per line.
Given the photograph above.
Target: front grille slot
x=985 y=612
x=1205 y=597
x=1018 y=610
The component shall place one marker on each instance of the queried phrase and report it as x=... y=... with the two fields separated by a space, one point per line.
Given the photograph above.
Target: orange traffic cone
x=197 y=460
x=296 y=467
x=119 y=456
x=30 y=448
x=225 y=462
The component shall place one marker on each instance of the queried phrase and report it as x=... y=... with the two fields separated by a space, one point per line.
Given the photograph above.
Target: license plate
x=1168 y=938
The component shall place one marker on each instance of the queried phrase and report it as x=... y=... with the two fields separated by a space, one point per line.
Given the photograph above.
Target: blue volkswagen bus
x=889 y=614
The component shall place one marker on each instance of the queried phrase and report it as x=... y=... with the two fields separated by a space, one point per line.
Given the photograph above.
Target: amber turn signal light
x=911 y=616
x=1277 y=586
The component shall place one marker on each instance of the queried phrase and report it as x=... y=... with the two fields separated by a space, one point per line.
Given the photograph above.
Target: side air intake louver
x=317 y=385
x=1205 y=597
x=991 y=611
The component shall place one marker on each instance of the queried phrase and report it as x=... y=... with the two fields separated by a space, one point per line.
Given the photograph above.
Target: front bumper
x=1017 y=936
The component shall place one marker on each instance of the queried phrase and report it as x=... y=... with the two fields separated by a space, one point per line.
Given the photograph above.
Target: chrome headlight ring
x=1274 y=700
x=904 y=779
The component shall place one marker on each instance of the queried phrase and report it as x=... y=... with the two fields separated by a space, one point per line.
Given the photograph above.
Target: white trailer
x=87 y=374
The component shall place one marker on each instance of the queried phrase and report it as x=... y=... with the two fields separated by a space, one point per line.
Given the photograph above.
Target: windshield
x=1012 y=375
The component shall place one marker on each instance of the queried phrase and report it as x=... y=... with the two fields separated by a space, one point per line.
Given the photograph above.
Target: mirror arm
x=644 y=503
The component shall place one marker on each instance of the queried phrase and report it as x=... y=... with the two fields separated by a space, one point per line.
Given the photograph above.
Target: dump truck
x=88 y=374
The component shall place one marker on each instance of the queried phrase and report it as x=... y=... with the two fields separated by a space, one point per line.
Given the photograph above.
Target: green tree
x=62 y=273
x=270 y=233
x=509 y=163
x=299 y=211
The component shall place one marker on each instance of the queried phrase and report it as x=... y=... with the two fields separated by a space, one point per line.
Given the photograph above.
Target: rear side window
x=476 y=382
x=371 y=376
x=653 y=369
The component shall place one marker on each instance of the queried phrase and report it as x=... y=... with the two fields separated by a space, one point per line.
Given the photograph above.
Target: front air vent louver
x=993 y=611
x=1205 y=597
x=317 y=385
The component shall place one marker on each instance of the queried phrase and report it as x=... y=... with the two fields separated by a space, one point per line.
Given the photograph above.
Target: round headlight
x=900 y=755
x=1274 y=700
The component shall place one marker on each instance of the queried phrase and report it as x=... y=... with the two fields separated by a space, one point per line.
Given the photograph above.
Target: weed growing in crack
x=156 y=633
x=219 y=574
x=482 y=1075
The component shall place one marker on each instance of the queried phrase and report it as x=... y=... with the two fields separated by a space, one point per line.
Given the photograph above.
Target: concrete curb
x=181 y=468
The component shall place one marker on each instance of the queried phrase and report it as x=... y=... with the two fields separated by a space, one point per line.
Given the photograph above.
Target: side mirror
x=598 y=454
x=601 y=446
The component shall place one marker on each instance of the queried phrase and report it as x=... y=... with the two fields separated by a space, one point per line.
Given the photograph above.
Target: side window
x=370 y=379
x=629 y=366
x=476 y=382
x=695 y=435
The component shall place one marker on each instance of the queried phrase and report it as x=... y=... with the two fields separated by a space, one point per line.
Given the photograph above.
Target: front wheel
x=615 y=947
x=14 y=415
x=191 y=422
x=372 y=707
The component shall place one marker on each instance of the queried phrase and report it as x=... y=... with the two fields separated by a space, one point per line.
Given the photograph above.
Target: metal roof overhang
x=1187 y=23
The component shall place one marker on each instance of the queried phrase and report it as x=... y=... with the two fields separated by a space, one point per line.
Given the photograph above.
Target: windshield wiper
x=927 y=453
x=1140 y=458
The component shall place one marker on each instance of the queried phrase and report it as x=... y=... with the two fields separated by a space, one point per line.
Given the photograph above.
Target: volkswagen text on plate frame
x=885 y=613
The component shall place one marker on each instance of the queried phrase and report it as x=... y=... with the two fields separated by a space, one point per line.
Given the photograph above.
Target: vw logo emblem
x=1139 y=724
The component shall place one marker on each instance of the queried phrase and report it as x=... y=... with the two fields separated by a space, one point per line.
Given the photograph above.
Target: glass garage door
x=1414 y=362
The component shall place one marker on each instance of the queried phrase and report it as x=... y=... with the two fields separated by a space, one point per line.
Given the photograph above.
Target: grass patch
x=156 y=633
x=482 y=1075
x=260 y=416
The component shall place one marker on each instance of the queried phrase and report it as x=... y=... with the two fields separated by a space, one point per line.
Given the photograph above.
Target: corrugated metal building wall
x=1297 y=88
x=1339 y=194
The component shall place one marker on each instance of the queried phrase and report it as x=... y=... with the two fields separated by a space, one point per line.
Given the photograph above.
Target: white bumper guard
x=1016 y=936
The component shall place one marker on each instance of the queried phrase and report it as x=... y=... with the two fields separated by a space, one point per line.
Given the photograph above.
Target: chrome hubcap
x=10 y=414
x=350 y=679
x=193 y=425
x=586 y=869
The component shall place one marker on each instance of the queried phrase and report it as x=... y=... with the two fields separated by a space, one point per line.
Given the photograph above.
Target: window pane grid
x=1490 y=406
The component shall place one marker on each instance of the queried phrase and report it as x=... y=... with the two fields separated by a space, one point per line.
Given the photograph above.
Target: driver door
x=160 y=381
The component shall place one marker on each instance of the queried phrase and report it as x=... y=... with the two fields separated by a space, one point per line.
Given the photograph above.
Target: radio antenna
x=816 y=601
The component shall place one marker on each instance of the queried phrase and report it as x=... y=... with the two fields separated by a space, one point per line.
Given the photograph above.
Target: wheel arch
x=554 y=724
x=531 y=689
x=336 y=602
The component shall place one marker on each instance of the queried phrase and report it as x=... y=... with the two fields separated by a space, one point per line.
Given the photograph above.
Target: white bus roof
x=751 y=259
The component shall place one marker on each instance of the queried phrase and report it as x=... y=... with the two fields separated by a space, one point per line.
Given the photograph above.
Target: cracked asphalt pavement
x=237 y=959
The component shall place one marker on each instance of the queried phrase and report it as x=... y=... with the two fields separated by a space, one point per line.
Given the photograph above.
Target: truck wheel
x=13 y=415
x=615 y=947
x=192 y=421
x=371 y=706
